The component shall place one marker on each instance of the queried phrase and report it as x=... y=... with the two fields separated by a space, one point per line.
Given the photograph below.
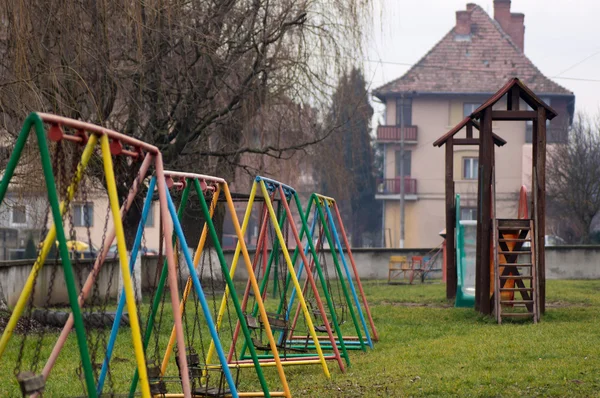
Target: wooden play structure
x=500 y=252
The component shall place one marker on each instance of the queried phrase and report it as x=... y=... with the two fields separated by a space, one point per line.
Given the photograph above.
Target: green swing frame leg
x=305 y=231
x=34 y=120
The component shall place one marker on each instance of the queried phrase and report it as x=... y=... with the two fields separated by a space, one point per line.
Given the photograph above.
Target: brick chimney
x=463 y=23
x=517 y=27
x=512 y=24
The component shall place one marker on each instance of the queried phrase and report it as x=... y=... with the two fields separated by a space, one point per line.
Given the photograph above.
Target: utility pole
x=402 y=182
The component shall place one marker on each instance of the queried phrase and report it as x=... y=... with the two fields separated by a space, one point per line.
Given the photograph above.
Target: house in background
x=25 y=209
x=470 y=63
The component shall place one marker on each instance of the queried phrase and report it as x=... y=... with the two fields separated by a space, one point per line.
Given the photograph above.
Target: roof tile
x=479 y=65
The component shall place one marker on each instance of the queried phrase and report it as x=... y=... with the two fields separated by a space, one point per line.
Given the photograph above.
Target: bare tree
x=573 y=179
x=186 y=75
x=345 y=164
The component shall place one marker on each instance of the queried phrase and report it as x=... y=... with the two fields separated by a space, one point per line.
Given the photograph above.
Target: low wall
x=50 y=288
x=370 y=263
x=562 y=262
x=573 y=262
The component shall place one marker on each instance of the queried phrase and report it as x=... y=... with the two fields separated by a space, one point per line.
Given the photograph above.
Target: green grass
x=426 y=348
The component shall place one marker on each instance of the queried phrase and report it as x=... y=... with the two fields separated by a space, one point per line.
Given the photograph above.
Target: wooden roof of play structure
x=469 y=124
x=515 y=89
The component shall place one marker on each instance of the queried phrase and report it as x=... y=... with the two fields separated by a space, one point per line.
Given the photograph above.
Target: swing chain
x=28 y=381
x=160 y=260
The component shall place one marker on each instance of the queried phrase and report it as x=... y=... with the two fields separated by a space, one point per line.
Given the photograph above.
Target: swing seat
x=284 y=348
x=252 y=322
x=30 y=383
x=195 y=371
x=340 y=312
x=259 y=345
x=209 y=392
x=277 y=321
x=158 y=387
x=322 y=328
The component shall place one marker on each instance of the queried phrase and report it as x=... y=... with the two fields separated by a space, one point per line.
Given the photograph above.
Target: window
x=470 y=107
x=404 y=108
x=407 y=158
x=470 y=168
x=150 y=217
x=18 y=215
x=468 y=213
x=83 y=214
x=551 y=136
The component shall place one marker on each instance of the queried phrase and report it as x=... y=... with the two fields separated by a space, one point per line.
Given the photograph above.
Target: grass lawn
x=426 y=348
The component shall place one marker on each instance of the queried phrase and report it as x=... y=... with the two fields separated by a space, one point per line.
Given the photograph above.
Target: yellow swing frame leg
x=234 y=263
x=255 y=288
x=46 y=246
x=240 y=235
x=136 y=334
x=292 y=273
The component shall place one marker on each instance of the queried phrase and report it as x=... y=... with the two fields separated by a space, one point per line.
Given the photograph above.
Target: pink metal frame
x=151 y=154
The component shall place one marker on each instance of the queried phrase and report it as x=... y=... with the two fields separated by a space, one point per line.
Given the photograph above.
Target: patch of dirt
x=431 y=305
x=565 y=304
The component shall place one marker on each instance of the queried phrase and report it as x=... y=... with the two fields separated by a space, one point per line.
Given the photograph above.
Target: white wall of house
x=425 y=217
x=100 y=208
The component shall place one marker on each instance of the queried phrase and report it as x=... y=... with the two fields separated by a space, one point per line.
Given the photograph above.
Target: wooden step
x=516 y=289
x=512 y=230
x=513 y=240
x=517 y=314
x=513 y=222
x=515 y=264
x=522 y=223
x=516 y=301
x=515 y=253
x=516 y=277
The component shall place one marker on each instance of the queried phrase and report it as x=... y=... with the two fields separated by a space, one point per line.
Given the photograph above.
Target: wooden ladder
x=515 y=269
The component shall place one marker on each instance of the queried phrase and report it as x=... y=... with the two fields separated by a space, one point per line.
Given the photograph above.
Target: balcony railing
x=391 y=186
x=554 y=134
x=394 y=133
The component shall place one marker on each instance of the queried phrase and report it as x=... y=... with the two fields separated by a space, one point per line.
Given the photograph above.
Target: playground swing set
x=63 y=130
x=197 y=332
x=324 y=230
x=280 y=222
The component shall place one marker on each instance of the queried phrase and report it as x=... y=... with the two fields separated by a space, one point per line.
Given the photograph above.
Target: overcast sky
x=561 y=39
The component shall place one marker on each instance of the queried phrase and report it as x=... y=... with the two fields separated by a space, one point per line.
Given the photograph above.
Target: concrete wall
x=51 y=289
x=573 y=262
x=13 y=275
x=562 y=262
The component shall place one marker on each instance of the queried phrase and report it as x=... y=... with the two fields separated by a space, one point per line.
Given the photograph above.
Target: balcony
x=389 y=188
x=394 y=134
x=554 y=134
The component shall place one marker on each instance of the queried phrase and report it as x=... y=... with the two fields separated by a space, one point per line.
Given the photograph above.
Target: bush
x=30 y=249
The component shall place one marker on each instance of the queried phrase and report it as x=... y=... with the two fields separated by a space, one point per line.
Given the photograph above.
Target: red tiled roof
x=480 y=64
